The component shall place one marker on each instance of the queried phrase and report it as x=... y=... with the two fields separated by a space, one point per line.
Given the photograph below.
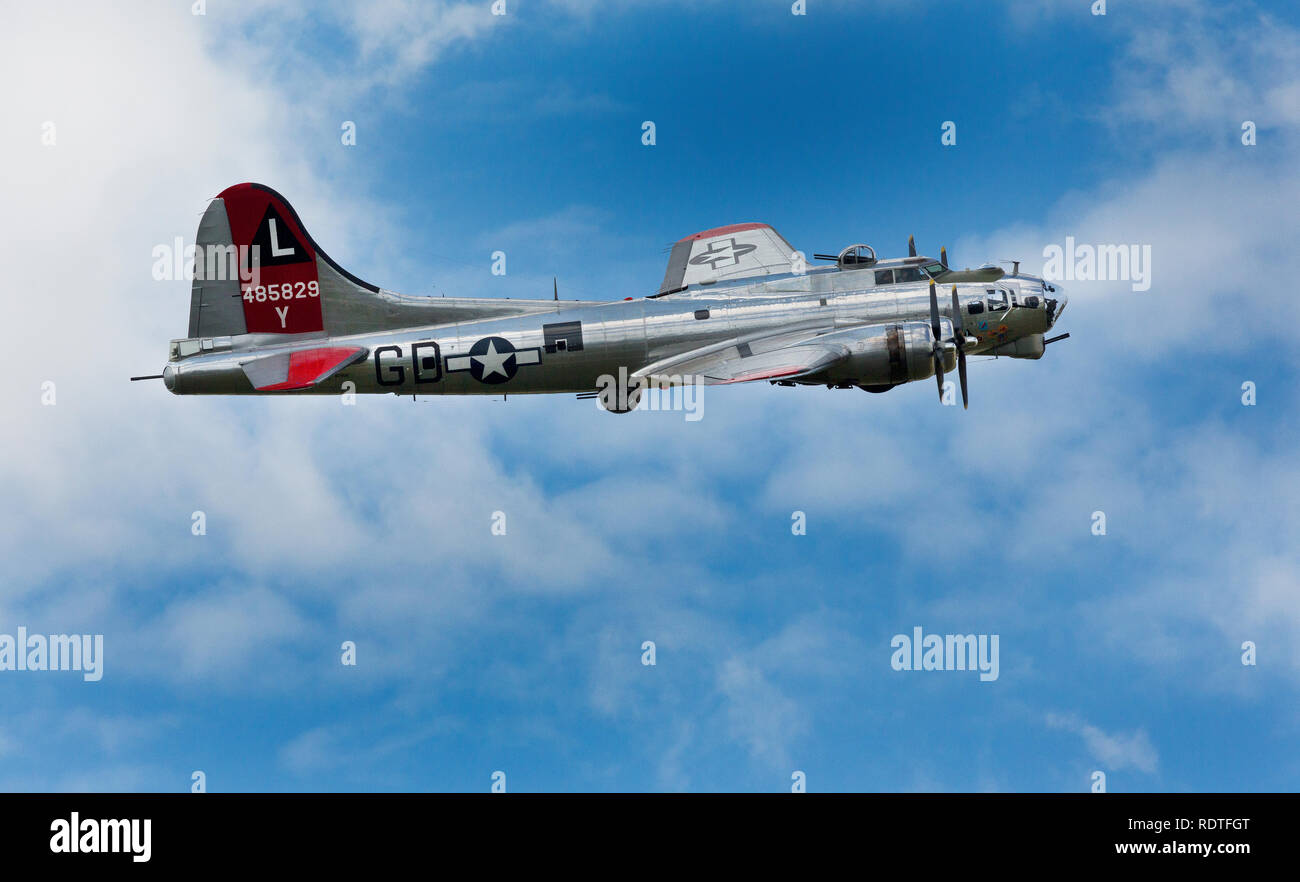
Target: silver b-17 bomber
x=270 y=312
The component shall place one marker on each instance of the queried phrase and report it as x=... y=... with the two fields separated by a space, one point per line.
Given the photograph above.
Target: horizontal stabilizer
x=737 y=251
x=303 y=369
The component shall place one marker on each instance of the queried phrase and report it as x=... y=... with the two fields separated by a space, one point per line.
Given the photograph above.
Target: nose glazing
x=1056 y=300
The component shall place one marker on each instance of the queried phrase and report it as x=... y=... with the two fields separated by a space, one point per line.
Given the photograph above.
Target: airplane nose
x=169 y=378
x=1055 y=302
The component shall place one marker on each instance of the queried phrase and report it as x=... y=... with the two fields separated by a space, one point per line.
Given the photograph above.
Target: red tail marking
x=284 y=296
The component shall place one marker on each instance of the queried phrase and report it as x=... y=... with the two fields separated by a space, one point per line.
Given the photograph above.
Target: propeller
x=958 y=339
x=936 y=332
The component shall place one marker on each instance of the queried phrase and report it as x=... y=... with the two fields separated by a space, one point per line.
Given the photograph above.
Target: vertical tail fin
x=277 y=288
x=258 y=271
x=215 y=307
x=262 y=273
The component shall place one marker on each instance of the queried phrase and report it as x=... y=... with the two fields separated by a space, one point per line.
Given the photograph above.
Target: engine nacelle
x=887 y=355
x=1028 y=346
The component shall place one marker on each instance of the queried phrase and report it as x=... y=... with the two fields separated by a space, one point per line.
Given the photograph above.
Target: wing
x=301 y=369
x=779 y=357
x=735 y=252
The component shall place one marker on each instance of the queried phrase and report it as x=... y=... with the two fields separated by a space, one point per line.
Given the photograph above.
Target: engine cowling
x=889 y=354
x=1028 y=346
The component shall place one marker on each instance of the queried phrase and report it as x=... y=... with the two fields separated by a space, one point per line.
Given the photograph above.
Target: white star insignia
x=493 y=362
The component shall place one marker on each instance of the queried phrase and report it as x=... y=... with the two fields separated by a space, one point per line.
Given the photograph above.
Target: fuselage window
x=701 y=313
x=975 y=307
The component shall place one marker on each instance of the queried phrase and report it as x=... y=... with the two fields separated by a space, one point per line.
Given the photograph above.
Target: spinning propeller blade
x=936 y=331
x=959 y=336
x=958 y=339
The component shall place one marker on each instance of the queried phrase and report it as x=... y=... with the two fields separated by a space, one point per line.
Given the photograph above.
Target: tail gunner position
x=270 y=312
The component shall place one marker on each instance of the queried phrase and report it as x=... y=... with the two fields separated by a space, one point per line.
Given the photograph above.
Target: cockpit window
x=997 y=300
x=934 y=269
x=884 y=277
x=908 y=274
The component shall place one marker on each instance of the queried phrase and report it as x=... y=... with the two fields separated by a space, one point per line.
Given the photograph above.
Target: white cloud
x=1208 y=66
x=759 y=714
x=1117 y=751
x=229 y=636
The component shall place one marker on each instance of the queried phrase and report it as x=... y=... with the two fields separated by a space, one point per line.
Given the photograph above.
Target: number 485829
x=282 y=291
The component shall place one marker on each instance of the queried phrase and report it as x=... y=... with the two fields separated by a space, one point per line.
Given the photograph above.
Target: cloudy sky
x=522 y=653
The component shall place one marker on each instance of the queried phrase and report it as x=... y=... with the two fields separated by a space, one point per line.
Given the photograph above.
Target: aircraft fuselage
x=571 y=347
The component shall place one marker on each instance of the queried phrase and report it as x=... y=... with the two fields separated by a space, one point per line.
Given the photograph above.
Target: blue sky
x=522 y=653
